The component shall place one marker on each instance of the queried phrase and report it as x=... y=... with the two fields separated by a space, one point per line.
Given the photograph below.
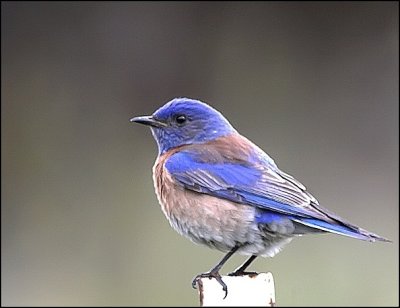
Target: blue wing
x=259 y=184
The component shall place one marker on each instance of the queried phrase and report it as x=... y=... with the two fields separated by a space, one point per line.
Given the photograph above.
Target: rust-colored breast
x=163 y=183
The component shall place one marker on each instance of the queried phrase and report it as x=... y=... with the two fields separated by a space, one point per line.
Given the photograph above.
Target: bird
x=219 y=189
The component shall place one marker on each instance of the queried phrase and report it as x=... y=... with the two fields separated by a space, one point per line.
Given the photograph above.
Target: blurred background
x=313 y=84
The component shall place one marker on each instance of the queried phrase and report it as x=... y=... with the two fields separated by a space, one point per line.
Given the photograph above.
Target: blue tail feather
x=341 y=229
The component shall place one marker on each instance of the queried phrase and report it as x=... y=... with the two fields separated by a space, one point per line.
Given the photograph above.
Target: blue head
x=185 y=121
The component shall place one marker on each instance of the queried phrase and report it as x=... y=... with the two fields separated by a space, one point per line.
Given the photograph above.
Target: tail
x=345 y=229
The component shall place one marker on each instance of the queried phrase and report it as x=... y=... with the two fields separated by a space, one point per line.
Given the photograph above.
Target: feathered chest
x=163 y=183
x=171 y=196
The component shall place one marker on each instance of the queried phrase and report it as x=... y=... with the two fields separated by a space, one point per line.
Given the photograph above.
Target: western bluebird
x=218 y=188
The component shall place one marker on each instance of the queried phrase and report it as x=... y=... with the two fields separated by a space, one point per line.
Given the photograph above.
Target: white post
x=248 y=290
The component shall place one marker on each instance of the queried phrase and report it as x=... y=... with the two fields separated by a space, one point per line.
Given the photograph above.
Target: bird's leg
x=214 y=272
x=240 y=270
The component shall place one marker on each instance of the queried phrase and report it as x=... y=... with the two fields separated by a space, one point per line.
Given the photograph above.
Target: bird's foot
x=210 y=275
x=242 y=273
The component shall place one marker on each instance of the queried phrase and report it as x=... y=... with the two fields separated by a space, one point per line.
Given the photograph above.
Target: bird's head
x=185 y=121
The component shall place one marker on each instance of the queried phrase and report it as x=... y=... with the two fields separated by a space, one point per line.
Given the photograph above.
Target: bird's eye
x=180 y=119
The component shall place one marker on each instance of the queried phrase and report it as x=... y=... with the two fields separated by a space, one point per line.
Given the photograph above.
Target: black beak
x=149 y=120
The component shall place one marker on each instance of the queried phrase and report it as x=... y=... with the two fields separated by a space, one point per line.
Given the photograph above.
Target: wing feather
x=249 y=183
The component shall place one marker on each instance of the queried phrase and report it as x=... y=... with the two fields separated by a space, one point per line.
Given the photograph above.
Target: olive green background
x=313 y=84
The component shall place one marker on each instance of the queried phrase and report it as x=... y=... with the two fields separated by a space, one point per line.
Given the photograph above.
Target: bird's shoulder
x=233 y=148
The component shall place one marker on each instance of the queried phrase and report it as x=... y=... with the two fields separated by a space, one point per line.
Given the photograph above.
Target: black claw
x=194 y=282
x=224 y=287
x=242 y=273
x=210 y=275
